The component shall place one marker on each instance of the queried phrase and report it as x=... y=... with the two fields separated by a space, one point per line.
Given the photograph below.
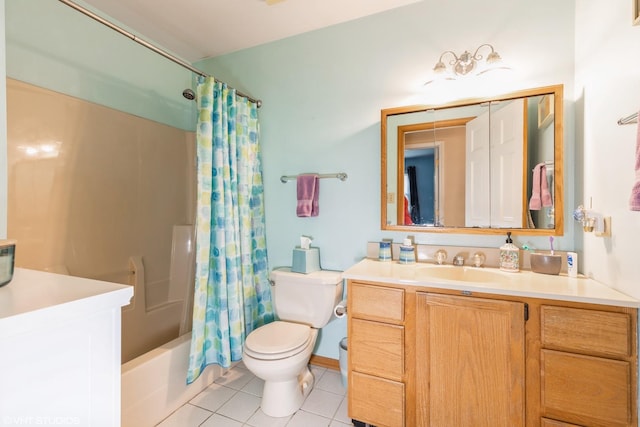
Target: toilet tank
x=306 y=298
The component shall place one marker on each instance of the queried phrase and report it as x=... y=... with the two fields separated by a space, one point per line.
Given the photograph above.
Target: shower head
x=189 y=94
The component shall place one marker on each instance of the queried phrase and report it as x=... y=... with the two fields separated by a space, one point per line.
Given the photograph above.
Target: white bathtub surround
x=181 y=272
x=154 y=384
x=60 y=358
x=146 y=327
x=115 y=195
x=149 y=326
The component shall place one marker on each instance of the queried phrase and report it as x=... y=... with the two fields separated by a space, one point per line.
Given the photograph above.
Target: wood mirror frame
x=547 y=113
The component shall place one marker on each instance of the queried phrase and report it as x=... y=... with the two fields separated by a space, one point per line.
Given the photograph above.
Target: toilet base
x=283 y=398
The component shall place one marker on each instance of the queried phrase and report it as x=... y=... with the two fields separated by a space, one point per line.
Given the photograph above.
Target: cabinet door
x=470 y=361
x=586 y=390
x=477 y=176
x=507 y=143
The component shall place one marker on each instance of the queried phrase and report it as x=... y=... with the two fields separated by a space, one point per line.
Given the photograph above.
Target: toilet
x=279 y=352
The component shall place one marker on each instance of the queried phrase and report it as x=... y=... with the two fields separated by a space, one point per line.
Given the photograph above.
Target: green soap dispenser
x=509 y=256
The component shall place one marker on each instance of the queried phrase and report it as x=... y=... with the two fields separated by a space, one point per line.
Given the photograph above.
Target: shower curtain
x=232 y=293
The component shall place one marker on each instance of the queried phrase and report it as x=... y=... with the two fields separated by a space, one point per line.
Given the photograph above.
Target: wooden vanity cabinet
x=434 y=357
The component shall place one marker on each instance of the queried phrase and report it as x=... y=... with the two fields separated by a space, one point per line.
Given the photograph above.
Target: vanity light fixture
x=467 y=63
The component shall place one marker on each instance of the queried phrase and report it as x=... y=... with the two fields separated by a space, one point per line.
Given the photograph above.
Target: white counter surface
x=38 y=296
x=524 y=283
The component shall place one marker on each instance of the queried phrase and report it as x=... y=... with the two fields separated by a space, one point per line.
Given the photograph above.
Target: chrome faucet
x=458 y=260
x=441 y=256
x=478 y=259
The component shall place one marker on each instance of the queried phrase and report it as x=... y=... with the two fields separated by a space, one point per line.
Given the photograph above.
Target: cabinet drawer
x=585 y=389
x=377 y=348
x=376 y=303
x=376 y=400
x=586 y=331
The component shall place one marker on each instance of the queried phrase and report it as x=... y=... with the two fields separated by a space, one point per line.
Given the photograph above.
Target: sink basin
x=462 y=274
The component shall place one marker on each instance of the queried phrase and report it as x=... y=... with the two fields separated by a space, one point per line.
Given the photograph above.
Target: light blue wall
x=51 y=45
x=323 y=92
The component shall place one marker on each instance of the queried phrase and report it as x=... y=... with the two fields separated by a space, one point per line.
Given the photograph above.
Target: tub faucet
x=458 y=260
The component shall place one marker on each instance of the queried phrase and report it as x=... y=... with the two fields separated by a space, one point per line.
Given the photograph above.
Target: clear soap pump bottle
x=509 y=256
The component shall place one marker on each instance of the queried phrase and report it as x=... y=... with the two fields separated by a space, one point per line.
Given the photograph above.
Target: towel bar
x=629 y=119
x=340 y=175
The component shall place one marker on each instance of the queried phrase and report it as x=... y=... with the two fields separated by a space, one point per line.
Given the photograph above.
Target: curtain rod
x=149 y=46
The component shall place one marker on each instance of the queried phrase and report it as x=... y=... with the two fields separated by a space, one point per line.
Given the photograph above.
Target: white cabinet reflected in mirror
x=483 y=166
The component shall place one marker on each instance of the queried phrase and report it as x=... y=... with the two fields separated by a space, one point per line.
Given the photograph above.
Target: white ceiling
x=197 y=29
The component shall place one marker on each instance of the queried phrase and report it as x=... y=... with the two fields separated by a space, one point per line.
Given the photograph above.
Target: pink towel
x=540 y=195
x=545 y=195
x=535 y=203
x=634 y=200
x=308 y=192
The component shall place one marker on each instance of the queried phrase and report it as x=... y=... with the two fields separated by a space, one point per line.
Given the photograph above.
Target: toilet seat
x=277 y=340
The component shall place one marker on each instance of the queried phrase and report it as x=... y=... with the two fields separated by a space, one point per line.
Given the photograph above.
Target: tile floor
x=233 y=400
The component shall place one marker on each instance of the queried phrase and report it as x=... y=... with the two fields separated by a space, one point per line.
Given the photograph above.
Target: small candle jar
x=407 y=255
x=384 y=253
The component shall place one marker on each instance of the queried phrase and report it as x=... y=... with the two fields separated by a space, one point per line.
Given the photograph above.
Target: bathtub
x=154 y=384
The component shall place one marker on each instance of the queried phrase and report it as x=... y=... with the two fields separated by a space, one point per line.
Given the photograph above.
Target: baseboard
x=325 y=362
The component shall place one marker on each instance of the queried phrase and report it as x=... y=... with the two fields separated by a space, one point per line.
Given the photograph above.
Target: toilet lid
x=277 y=338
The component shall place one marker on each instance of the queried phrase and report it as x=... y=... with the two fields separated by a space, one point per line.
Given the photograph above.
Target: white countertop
x=523 y=283
x=36 y=296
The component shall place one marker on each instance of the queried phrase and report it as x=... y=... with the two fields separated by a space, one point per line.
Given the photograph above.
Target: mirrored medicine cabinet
x=483 y=166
